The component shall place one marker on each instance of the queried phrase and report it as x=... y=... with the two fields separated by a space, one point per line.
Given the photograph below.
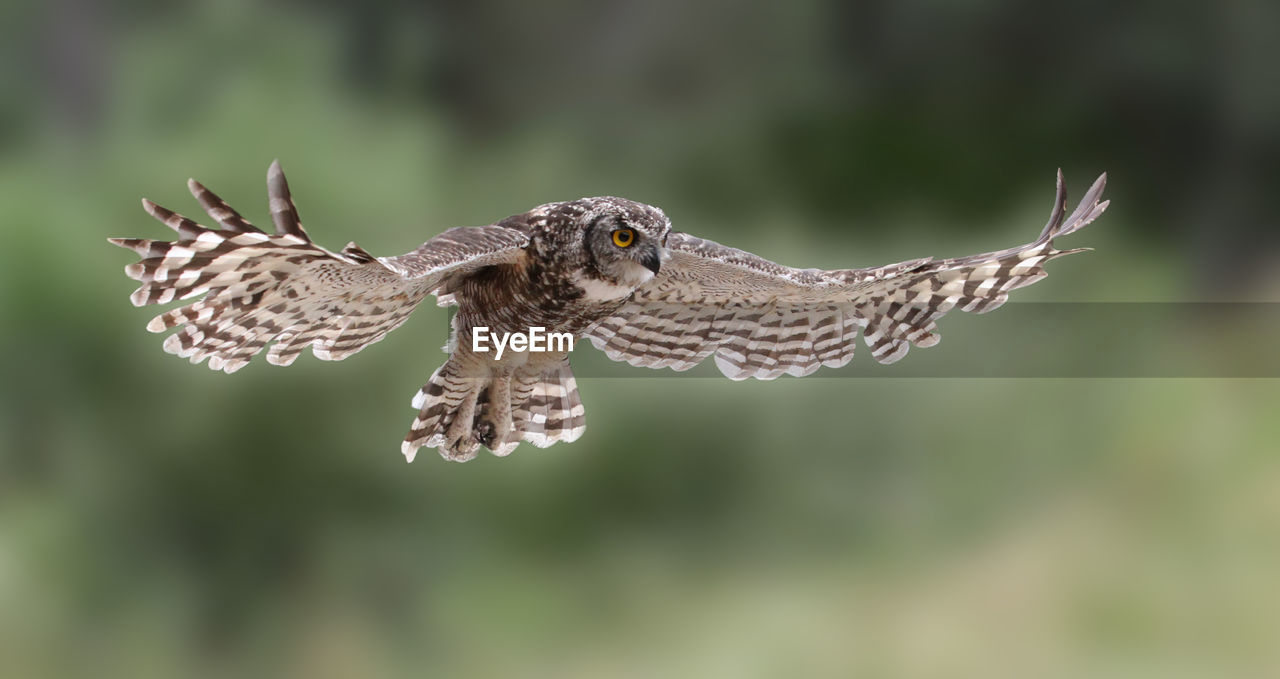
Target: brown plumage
x=606 y=269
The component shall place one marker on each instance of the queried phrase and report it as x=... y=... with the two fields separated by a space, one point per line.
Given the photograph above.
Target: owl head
x=623 y=241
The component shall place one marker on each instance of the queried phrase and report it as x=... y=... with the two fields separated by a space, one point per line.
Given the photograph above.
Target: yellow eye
x=623 y=238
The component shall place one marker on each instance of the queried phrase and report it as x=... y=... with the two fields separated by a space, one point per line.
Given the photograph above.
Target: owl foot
x=493 y=435
x=460 y=444
x=494 y=426
x=460 y=450
x=484 y=433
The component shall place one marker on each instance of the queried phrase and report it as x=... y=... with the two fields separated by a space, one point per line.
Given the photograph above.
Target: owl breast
x=516 y=297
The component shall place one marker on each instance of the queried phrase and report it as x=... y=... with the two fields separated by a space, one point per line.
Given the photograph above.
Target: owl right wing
x=260 y=288
x=761 y=319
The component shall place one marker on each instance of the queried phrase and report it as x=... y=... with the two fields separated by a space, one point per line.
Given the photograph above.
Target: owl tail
x=460 y=410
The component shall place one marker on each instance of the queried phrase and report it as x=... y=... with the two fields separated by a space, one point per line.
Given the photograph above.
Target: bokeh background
x=161 y=520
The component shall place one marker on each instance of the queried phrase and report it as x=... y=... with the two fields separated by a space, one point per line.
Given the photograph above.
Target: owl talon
x=605 y=269
x=461 y=450
x=484 y=432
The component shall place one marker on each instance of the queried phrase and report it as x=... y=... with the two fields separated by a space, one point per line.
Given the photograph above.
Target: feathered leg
x=493 y=426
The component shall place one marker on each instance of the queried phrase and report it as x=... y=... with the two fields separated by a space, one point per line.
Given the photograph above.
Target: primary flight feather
x=606 y=269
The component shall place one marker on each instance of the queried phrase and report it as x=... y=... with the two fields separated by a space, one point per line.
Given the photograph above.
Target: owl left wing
x=282 y=289
x=761 y=319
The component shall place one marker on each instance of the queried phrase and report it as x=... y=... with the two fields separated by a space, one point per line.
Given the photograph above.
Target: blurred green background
x=160 y=520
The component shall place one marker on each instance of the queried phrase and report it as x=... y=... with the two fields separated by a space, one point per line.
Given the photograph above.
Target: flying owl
x=606 y=269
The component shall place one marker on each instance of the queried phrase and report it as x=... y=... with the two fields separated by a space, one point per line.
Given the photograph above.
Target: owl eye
x=623 y=238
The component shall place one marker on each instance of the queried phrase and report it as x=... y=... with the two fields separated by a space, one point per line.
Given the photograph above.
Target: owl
x=608 y=270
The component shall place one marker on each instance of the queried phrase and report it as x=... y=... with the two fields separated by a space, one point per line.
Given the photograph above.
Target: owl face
x=623 y=241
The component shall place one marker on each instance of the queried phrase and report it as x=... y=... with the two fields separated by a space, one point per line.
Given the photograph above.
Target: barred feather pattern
x=672 y=301
x=763 y=320
x=545 y=409
x=549 y=409
x=281 y=288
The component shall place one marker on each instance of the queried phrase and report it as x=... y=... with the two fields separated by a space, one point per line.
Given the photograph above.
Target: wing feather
x=761 y=319
x=284 y=289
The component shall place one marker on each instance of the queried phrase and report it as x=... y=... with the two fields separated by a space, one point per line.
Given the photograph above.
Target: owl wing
x=260 y=288
x=761 y=319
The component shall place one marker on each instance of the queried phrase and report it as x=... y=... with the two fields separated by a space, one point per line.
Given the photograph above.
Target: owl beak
x=651 y=260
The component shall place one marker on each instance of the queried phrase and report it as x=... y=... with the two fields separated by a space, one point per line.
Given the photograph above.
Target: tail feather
x=439 y=402
x=454 y=411
x=552 y=410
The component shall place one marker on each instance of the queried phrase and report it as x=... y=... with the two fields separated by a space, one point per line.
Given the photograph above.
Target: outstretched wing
x=260 y=288
x=761 y=319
